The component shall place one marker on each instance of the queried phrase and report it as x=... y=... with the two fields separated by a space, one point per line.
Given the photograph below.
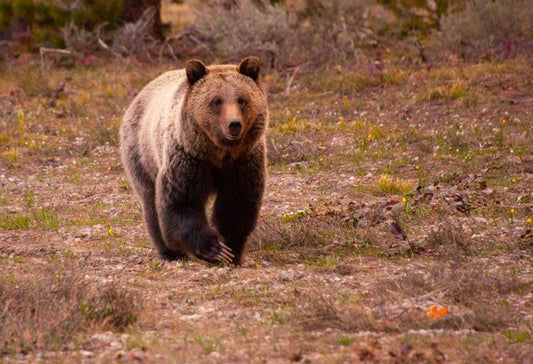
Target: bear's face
x=227 y=102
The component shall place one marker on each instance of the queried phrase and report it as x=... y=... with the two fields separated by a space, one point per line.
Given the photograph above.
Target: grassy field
x=389 y=192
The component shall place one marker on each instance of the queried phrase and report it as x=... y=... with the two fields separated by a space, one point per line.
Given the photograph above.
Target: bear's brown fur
x=191 y=133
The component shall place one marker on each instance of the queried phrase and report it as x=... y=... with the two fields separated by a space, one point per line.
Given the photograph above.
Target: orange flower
x=442 y=311
x=435 y=312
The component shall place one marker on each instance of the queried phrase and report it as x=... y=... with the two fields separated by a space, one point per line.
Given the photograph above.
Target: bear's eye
x=241 y=101
x=217 y=101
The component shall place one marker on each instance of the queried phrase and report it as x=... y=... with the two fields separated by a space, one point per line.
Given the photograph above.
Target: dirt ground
x=387 y=194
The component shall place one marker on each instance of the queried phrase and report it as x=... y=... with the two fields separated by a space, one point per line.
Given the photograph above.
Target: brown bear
x=191 y=133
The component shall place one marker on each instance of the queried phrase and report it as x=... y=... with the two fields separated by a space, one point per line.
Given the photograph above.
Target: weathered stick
x=58 y=91
x=288 y=89
x=44 y=51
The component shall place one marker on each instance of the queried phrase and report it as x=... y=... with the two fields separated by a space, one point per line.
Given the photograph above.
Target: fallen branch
x=104 y=46
x=44 y=51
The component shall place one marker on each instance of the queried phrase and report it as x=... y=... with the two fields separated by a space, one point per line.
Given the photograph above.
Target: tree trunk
x=133 y=9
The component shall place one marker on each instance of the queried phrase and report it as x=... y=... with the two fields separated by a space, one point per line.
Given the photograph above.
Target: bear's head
x=227 y=102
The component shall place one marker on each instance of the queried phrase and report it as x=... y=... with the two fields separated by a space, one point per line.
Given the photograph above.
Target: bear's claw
x=215 y=252
x=225 y=254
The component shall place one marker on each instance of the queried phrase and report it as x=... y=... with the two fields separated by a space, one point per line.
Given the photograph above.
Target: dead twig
x=58 y=91
x=289 y=82
x=104 y=46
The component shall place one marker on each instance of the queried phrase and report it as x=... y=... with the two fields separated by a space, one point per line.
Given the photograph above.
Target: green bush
x=47 y=18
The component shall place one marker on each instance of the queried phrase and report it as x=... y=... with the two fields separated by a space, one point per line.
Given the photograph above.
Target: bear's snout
x=232 y=122
x=234 y=128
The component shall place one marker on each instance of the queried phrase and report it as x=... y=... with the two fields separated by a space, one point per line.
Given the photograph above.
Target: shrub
x=235 y=32
x=326 y=32
x=46 y=313
x=486 y=29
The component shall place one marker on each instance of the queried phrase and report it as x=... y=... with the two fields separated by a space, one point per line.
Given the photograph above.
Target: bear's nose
x=234 y=127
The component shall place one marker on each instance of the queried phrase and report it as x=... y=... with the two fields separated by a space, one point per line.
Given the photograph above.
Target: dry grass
x=51 y=309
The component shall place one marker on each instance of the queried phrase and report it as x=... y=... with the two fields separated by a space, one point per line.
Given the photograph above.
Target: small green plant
x=156 y=266
x=390 y=185
x=47 y=218
x=208 y=344
x=11 y=156
x=14 y=221
x=295 y=215
x=517 y=336
x=30 y=198
x=346 y=340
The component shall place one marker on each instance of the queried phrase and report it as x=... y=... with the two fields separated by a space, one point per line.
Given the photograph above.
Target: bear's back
x=151 y=117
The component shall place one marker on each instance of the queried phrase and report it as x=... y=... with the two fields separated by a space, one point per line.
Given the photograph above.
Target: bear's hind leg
x=152 y=224
x=144 y=187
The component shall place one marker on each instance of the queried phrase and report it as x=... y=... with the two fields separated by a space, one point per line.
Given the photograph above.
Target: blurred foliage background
x=285 y=33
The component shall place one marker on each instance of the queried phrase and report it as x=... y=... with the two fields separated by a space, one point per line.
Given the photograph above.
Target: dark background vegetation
x=285 y=34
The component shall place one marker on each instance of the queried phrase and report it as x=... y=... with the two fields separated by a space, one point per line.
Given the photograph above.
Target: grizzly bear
x=192 y=133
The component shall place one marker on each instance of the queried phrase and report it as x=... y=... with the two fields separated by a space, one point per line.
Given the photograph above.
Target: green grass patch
x=14 y=221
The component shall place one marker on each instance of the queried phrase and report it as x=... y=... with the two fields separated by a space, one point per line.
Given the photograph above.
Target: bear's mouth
x=233 y=138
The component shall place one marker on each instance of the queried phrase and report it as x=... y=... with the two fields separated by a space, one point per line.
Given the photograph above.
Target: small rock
x=481 y=220
x=137 y=354
x=84 y=233
x=214 y=355
x=14 y=209
x=87 y=353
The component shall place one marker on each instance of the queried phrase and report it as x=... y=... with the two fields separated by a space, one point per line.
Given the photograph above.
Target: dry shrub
x=291 y=148
x=318 y=311
x=237 y=31
x=136 y=39
x=449 y=241
x=132 y=39
x=486 y=29
x=478 y=290
x=47 y=311
x=333 y=32
x=302 y=230
x=329 y=31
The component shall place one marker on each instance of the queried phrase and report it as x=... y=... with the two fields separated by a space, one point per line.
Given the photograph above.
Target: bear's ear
x=250 y=66
x=195 y=70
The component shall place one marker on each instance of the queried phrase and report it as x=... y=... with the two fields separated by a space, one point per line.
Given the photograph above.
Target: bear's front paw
x=213 y=250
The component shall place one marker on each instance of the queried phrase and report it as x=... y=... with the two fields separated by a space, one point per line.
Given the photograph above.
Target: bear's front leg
x=239 y=197
x=181 y=193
